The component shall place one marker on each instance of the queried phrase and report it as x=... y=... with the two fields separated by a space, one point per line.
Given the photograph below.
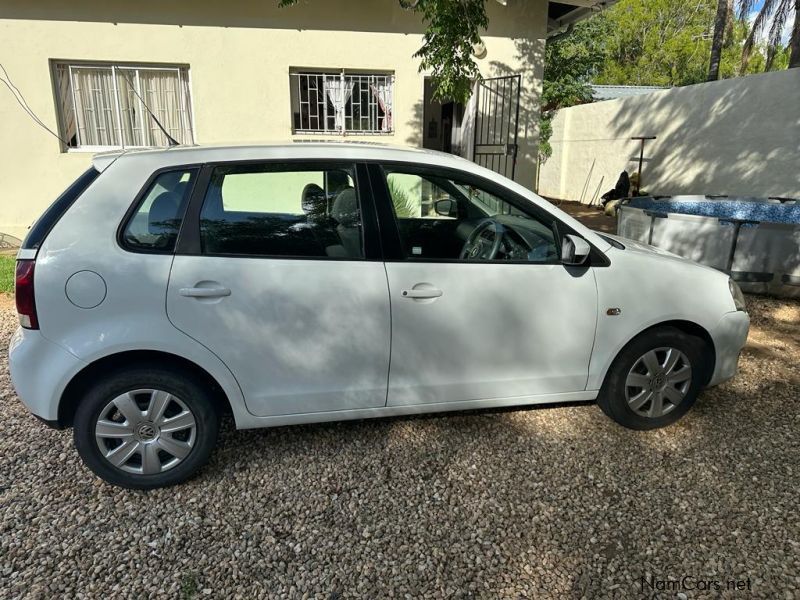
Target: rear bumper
x=40 y=370
x=730 y=336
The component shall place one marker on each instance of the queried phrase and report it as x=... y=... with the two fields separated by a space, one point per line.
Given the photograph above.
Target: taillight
x=26 y=303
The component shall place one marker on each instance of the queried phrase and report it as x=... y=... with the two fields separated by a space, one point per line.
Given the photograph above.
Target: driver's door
x=476 y=329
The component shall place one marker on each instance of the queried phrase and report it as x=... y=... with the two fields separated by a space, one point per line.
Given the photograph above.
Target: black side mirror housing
x=446 y=208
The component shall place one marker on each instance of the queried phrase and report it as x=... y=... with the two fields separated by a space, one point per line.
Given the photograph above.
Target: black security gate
x=496 y=123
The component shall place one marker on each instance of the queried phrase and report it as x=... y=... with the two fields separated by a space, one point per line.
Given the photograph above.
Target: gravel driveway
x=546 y=503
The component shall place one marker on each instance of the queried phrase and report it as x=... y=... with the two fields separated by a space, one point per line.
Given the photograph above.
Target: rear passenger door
x=278 y=273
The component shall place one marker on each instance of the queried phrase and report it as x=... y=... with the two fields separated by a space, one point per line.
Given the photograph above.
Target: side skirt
x=252 y=422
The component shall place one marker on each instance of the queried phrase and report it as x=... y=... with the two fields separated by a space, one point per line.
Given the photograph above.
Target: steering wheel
x=478 y=247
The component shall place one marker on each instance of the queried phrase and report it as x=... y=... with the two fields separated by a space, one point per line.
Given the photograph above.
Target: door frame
x=390 y=234
x=189 y=243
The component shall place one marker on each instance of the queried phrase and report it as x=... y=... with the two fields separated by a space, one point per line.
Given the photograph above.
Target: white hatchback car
x=319 y=282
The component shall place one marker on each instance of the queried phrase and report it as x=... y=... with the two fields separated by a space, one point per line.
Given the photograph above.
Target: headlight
x=737 y=295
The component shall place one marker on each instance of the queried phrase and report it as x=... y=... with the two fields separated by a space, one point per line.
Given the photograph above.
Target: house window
x=342 y=102
x=102 y=105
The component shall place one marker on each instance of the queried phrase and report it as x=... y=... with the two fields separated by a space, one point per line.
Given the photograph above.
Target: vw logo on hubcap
x=147 y=432
x=659 y=381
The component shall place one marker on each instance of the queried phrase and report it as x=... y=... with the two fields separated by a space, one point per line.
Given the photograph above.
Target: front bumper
x=40 y=370
x=730 y=336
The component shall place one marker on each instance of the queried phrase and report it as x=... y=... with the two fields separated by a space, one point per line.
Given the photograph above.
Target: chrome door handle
x=198 y=292
x=422 y=293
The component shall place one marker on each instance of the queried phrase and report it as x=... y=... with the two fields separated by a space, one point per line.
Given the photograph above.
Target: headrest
x=163 y=214
x=337 y=181
x=312 y=200
x=180 y=189
x=345 y=208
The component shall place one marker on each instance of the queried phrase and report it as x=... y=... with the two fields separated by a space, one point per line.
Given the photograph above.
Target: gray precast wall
x=739 y=137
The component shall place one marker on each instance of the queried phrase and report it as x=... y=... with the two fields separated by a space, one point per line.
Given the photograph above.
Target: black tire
x=181 y=385
x=612 y=397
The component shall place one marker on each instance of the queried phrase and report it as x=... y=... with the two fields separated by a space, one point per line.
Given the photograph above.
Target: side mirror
x=445 y=208
x=574 y=250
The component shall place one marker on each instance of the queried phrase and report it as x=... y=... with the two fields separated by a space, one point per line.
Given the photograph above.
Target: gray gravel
x=545 y=503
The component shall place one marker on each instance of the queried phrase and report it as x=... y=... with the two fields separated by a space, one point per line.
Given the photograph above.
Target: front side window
x=292 y=211
x=155 y=224
x=441 y=218
x=103 y=105
x=341 y=102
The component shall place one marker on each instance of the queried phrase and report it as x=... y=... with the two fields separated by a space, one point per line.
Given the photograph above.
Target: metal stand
x=641 y=138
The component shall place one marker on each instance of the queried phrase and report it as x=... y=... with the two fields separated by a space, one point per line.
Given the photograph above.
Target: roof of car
x=299 y=149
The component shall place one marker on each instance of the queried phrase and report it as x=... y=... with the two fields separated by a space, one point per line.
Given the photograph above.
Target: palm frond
x=773 y=15
x=776 y=31
x=404 y=206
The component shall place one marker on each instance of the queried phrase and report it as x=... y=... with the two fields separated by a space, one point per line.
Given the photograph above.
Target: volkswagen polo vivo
x=320 y=282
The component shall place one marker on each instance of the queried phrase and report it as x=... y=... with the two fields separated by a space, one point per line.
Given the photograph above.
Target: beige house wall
x=239 y=54
x=737 y=137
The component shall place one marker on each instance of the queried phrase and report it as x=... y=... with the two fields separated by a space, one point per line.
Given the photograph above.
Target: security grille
x=342 y=103
x=103 y=105
x=496 y=123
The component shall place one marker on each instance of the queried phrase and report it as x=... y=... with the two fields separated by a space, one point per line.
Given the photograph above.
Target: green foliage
x=190 y=586
x=771 y=18
x=545 y=150
x=658 y=42
x=452 y=27
x=668 y=42
x=571 y=61
x=404 y=207
x=7 y=268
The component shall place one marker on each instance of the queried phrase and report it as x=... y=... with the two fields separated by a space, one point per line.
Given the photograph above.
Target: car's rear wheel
x=146 y=427
x=655 y=379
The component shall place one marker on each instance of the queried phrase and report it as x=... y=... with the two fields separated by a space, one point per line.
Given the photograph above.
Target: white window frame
x=184 y=79
x=322 y=114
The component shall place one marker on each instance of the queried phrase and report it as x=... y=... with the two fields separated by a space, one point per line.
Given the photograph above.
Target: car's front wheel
x=146 y=427
x=655 y=379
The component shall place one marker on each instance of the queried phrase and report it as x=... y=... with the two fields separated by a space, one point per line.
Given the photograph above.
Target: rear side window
x=282 y=210
x=155 y=224
x=56 y=210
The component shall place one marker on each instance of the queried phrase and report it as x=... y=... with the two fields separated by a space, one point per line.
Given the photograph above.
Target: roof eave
x=583 y=9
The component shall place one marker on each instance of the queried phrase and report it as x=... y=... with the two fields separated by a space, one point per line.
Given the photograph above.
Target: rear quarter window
x=155 y=222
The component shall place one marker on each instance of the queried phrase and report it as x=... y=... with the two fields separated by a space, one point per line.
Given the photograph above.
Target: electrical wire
x=171 y=141
x=6 y=79
x=15 y=90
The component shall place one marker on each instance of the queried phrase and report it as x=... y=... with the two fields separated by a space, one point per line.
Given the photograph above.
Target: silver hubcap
x=145 y=431
x=658 y=382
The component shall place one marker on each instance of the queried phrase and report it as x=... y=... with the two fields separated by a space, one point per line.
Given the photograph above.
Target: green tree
x=658 y=42
x=771 y=19
x=571 y=61
x=452 y=29
x=669 y=42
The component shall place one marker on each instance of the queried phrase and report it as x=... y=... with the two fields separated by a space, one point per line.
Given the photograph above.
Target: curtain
x=130 y=109
x=95 y=107
x=463 y=139
x=66 y=106
x=166 y=93
x=339 y=93
x=382 y=92
x=93 y=114
x=162 y=92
